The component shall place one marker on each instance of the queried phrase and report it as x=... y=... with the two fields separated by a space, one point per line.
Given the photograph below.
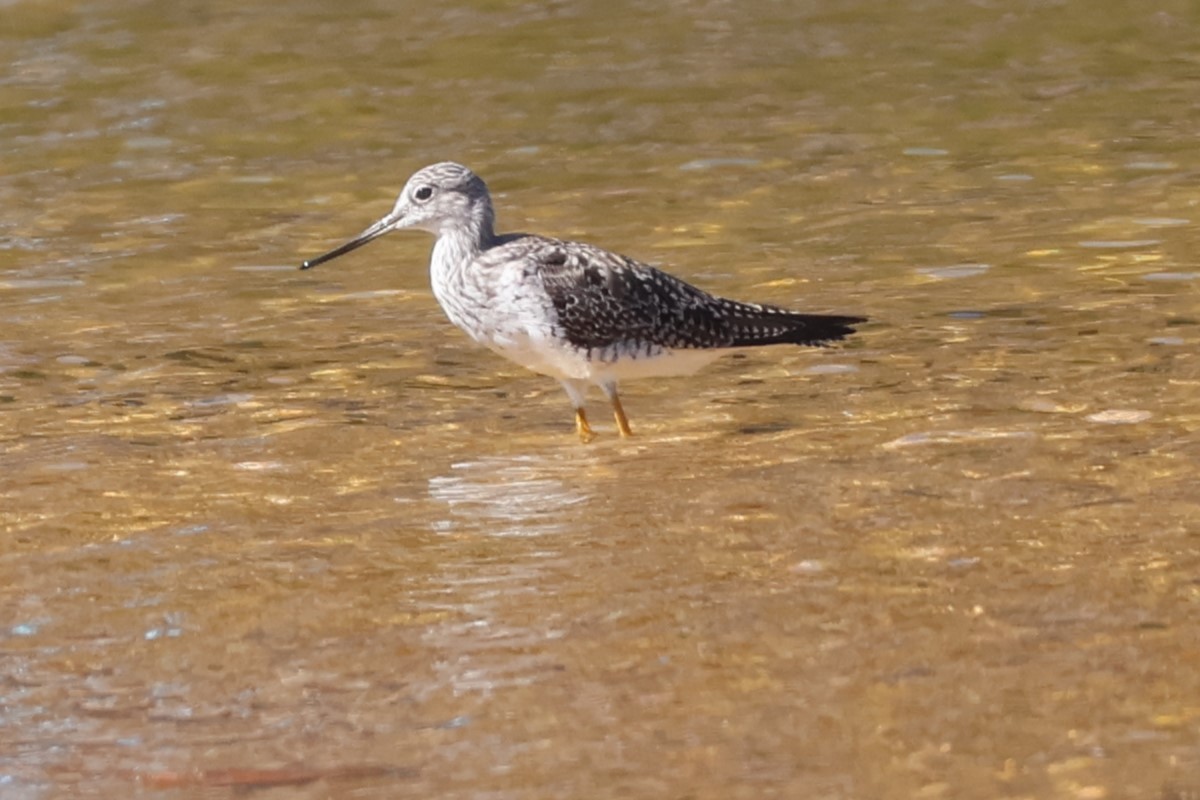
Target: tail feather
x=768 y=325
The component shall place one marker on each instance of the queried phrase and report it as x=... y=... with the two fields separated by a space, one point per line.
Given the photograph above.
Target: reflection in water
x=491 y=639
x=522 y=496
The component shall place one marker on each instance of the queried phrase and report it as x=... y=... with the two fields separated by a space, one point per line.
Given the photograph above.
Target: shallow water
x=265 y=528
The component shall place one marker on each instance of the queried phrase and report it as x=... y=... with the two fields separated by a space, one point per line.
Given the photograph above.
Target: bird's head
x=441 y=198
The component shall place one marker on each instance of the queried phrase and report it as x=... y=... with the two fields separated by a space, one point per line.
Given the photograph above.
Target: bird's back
x=603 y=301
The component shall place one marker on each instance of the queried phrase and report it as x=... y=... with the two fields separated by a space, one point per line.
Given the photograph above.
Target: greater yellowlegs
x=569 y=310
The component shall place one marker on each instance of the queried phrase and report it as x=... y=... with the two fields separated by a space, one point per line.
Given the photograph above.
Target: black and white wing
x=604 y=300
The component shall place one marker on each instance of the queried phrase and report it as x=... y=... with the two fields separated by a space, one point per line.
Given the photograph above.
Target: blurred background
x=264 y=529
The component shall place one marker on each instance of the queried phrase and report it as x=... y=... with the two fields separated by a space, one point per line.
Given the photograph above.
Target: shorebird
x=570 y=310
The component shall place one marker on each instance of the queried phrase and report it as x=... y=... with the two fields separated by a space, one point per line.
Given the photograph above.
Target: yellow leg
x=619 y=413
x=582 y=428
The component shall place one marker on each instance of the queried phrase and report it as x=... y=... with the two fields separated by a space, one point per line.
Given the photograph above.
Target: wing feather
x=605 y=300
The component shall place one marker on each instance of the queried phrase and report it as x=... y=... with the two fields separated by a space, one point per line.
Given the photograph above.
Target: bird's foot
x=586 y=434
x=619 y=415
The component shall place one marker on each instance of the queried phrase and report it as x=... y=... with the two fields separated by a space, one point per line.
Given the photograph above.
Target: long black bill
x=374 y=232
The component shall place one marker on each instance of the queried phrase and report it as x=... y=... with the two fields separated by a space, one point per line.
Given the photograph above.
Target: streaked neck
x=462 y=238
x=459 y=242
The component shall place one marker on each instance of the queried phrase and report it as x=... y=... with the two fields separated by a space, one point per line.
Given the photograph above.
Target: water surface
x=270 y=528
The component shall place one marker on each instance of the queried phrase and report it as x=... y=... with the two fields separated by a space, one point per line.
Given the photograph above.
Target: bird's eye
x=423 y=193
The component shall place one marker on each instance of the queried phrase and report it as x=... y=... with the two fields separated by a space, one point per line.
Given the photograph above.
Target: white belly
x=541 y=353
